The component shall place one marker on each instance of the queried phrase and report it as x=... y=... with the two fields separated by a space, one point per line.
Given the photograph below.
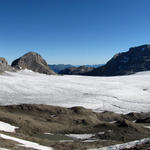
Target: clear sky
x=72 y=31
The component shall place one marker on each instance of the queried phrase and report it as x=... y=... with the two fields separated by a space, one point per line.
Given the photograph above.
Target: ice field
x=121 y=94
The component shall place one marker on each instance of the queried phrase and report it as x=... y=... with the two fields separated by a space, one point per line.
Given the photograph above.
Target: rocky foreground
x=145 y=146
x=71 y=128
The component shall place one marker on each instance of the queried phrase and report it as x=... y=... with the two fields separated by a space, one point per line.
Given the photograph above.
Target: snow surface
x=125 y=145
x=121 y=94
x=112 y=122
x=7 y=127
x=101 y=132
x=148 y=127
x=25 y=143
x=80 y=136
x=49 y=133
x=91 y=140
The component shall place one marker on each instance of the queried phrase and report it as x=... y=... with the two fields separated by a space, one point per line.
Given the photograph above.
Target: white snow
x=25 y=143
x=125 y=145
x=49 y=133
x=7 y=127
x=64 y=141
x=148 y=127
x=101 y=132
x=112 y=122
x=80 y=136
x=90 y=141
x=121 y=94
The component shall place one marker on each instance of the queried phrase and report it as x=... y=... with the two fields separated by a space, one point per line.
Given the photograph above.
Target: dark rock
x=143 y=120
x=34 y=62
x=136 y=116
x=4 y=65
x=59 y=67
x=80 y=110
x=76 y=70
x=123 y=123
x=135 y=60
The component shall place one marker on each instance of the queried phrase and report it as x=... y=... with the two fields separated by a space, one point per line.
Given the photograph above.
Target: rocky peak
x=4 y=65
x=32 y=61
x=135 y=60
x=140 y=48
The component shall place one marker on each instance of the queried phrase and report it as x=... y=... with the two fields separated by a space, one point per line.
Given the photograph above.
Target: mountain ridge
x=76 y=70
x=60 y=67
x=136 y=59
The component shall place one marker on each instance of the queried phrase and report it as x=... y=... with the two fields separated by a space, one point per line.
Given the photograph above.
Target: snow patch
x=112 y=122
x=101 y=132
x=148 y=127
x=90 y=141
x=64 y=141
x=80 y=136
x=125 y=145
x=25 y=143
x=7 y=127
x=49 y=133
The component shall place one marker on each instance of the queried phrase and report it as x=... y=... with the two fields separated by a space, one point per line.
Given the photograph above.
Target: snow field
x=120 y=94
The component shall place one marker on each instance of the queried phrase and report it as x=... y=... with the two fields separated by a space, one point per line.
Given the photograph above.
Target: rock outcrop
x=34 y=62
x=4 y=65
x=135 y=60
x=76 y=70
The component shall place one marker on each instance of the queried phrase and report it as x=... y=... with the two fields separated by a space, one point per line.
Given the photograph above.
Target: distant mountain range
x=135 y=60
x=76 y=70
x=60 y=67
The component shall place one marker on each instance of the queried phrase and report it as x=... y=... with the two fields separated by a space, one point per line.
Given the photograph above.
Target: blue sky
x=72 y=31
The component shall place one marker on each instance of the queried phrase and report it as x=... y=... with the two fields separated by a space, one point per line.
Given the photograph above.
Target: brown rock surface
x=34 y=62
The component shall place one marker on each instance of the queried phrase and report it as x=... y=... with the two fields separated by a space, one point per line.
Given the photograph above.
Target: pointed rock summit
x=34 y=62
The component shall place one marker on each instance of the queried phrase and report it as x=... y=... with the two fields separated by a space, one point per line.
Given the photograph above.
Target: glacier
x=120 y=94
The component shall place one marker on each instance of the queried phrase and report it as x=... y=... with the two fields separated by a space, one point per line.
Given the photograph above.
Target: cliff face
x=34 y=62
x=135 y=60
